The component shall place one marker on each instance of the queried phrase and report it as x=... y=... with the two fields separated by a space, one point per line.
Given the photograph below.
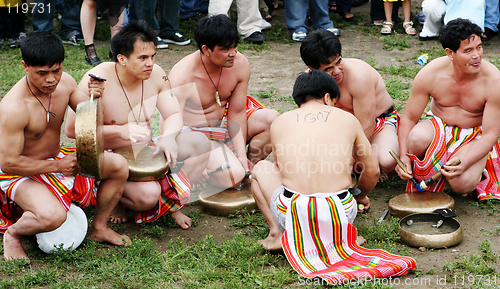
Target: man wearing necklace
x=135 y=87
x=211 y=85
x=37 y=173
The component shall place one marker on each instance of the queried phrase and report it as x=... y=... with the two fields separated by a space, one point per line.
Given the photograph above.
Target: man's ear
x=25 y=66
x=449 y=53
x=121 y=59
x=327 y=100
x=206 y=50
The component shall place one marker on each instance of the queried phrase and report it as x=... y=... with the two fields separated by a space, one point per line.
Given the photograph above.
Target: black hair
x=42 y=48
x=319 y=47
x=216 y=30
x=123 y=42
x=314 y=85
x=456 y=31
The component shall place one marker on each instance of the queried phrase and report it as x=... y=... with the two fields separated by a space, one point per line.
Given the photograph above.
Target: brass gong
x=142 y=163
x=89 y=138
x=419 y=202
x=226 y=202
x=430 y=231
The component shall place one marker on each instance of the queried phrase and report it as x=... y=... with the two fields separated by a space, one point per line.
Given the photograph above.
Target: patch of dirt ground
x=277 y=68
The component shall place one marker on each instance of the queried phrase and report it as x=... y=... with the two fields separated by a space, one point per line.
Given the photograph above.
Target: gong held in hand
x=89 y=138
x=142 y=163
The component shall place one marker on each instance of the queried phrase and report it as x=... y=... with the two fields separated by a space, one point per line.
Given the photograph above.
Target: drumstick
x=424 y=184
x=403 y=167
x=221 y=168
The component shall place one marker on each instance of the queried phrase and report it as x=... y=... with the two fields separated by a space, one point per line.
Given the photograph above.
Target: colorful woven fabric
x=176 y=192
x=319 y=242
x=390 y=118
x=78 y=189
x=447 y=141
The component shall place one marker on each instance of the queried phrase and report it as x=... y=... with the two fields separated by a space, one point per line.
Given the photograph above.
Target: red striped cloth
x=391 y=118
x=78 y=189
x=448 y=140
x=320 y=242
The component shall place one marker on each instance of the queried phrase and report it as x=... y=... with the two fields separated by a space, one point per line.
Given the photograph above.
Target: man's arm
x=364 y=103
x=415 y=106
x=490 y=132
x=363 y=154
x=236 y=115
x=172 y=123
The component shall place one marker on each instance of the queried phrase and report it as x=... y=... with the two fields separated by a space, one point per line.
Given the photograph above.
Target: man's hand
x=246 y=163
x=135 y=133
x=365 y=201
x=96 y=87
x=402 y=174
x=68 y=165
x=452 y=171
x=169 y=147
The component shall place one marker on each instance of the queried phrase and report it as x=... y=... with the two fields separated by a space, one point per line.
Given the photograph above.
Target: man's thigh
x=420 y=137
x=35 y=197
x=260 y=121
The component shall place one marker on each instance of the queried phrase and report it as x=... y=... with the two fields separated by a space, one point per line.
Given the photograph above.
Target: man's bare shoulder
x=105 y=69
x=359 y=70
x=182 y=72
x=13 y=106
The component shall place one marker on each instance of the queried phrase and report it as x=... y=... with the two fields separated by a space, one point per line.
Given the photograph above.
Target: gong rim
x=419 y=202
x=89 y=138
x=226 y=202
x=438 y=240
x=143 y=165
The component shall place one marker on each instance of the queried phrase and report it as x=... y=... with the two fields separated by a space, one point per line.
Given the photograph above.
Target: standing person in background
x=88 y=16
x=249 y=19
x=407 y=23
x=11 y=23
x=193 y=9
x=43 y=19
x=167 y=27
x=296 y=14
x=491 y=19
x=377 y=12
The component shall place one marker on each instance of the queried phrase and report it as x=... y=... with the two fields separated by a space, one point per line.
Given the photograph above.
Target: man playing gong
x=211 y=85
x=38 y=177
x=135 y=88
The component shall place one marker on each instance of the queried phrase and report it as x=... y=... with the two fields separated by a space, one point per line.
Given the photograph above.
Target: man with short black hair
x=39 y=175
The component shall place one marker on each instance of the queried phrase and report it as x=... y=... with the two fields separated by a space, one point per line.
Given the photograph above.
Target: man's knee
x=387 y=163
x=419 y=138
x=116 y=166
x=263 y=167
x=51 y=218
x=263 y=120
x=193 y=144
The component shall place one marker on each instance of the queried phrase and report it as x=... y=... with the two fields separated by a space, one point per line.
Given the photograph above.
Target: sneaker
x=71 y=41
x=256 y=38
x=177 y=39
x=420 y=17
x=161 y=44
x=334 y=31
x=299 y=36
x=265 y=25
x=16 y=42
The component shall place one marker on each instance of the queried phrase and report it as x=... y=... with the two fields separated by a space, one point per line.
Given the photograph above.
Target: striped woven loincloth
x=77 y=189
x=448 y=140
x=319 y=242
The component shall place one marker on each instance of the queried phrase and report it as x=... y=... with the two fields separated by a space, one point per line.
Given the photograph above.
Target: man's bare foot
x=383 y=177
x=182 y=220
x=360 y=240
x=272 y=243
x=118 y=214
x=12 y=248
x=108 y=235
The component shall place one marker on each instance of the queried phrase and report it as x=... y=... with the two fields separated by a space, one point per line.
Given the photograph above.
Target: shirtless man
x=363 y=94
x=36 y=173
x=464 y=113
x=312 y=147
x=211 y=79
x=134 y=81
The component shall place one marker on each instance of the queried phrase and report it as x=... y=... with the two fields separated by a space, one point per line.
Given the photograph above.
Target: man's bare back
x=310 y=159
